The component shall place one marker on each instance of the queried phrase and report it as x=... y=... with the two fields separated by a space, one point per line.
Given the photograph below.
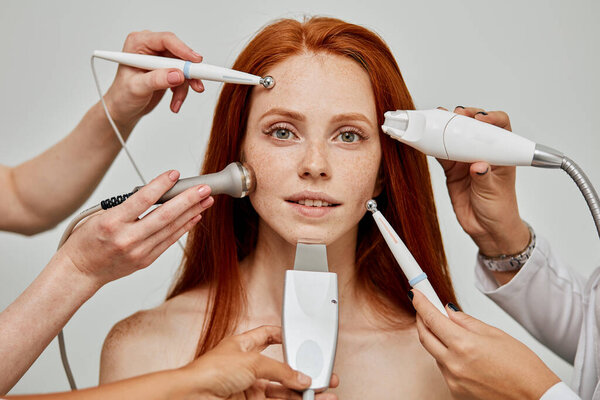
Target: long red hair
x=210 y=257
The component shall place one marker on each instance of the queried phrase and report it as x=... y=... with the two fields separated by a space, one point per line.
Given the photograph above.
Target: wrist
x=84 y=284
x=186 y=383
x=124 y=122
x=511 y=238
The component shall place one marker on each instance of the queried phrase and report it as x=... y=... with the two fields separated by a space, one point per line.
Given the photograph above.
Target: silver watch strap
x=513 y=262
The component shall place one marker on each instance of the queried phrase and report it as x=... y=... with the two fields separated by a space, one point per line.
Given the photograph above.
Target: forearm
x=31 y=322
x=161 y=385
x=49 y=187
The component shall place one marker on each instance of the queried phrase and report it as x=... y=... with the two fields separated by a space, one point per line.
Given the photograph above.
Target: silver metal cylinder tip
x=372 y=206
x=268 y=82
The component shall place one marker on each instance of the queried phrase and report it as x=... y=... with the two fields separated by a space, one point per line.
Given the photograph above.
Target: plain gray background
x=536 y=60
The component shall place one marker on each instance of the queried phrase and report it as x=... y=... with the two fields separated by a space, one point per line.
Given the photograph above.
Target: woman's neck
x=264 y=269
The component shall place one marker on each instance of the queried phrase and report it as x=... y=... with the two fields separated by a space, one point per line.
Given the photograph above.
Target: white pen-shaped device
x=190 y=70
x=413 y=272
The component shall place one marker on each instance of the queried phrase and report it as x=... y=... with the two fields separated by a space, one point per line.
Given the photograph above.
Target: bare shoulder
x=152 y=340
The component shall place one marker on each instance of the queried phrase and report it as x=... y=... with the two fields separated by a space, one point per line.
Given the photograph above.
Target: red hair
x=210 y=257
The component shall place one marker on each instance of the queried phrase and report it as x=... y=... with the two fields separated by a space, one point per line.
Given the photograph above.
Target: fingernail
x=177 y=106
x=410 y=295
x=203 y=190
x=173 y=175
x=197 y=55
x=207 y=202
x=481 y=112
x=303 y=379
x=484 y=172
x=173 y=78
x=453 y=307
x=460 y=107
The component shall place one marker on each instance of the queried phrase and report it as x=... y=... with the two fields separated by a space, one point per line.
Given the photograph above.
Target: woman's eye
x=349 y=137
x=282 y=134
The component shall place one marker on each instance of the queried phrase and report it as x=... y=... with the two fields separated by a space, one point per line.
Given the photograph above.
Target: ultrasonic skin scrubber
x=190 y=70
x=310 y=316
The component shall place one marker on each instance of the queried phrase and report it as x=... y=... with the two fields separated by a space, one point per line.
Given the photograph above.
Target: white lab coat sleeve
x=560 y=391
x=545 y=296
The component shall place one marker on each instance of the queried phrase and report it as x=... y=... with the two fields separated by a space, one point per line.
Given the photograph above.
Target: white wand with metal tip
x=413 y=272
x=190 y=70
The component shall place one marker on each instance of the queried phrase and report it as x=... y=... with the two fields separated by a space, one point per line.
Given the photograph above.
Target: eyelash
x=282 y=126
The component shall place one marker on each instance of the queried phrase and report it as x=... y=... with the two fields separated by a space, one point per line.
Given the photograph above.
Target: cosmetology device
x=190 y=70
x=450 y=136
x=236 y=180
x=412 y=270
x=310 y=316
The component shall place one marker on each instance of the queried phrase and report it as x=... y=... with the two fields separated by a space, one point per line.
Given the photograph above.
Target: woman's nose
x=315 y=162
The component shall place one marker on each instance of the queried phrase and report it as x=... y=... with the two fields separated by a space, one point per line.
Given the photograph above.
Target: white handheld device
x=412 y=270
x=450 y=136
x=190 y=70
x=310 y=316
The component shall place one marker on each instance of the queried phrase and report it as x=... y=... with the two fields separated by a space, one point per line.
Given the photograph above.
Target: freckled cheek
x=270 y=170
x=359 y=177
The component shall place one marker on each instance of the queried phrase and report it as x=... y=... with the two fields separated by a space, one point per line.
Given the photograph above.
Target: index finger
x=162 y=41
x=441 y=326
x=147 y=196
x=260 y=338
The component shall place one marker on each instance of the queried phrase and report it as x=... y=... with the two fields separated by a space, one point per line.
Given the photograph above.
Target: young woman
x=315 y=145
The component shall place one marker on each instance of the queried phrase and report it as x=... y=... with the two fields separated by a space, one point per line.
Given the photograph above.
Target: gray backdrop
x=537 y=60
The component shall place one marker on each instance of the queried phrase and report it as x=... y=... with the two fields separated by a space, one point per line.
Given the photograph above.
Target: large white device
x=310 y=316
x=450 y=136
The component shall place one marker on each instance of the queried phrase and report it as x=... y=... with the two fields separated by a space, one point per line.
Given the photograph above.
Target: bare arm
x=235 y=368
x=107 y=246
x=41 y=192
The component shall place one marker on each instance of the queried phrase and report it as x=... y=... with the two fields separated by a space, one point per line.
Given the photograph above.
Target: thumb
x=466 y=321
x=481 y=176
x=147 y=83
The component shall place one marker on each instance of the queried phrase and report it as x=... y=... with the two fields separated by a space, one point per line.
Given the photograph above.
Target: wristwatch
x=510 y=262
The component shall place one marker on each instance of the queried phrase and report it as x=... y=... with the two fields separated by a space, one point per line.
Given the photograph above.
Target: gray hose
x=586 y=188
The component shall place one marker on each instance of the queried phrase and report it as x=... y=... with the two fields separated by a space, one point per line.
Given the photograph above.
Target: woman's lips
x=311 y=211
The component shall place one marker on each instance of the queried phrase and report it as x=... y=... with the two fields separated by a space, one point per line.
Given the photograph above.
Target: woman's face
x=313 y=142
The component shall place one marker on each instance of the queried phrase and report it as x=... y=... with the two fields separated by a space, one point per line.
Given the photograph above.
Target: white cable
x=112 y=123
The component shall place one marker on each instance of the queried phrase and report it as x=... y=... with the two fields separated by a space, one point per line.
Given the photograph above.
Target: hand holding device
x=114 y=243
x=484 y=196
x=449 y=136
x=135 y=93
x=235 y=367
x=477 y=360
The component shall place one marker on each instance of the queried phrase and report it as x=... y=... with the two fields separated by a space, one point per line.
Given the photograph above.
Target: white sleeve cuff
x=560 y=391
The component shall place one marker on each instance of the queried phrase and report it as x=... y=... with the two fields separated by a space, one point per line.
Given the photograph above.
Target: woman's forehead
x=318 y=83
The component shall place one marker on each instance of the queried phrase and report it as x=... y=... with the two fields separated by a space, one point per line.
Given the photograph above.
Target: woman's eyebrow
x=351 y=117
x=284 y=113
x=355 y=116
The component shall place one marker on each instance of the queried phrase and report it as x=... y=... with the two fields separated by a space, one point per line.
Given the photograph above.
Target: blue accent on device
x=417 y=279
x=186 y=69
